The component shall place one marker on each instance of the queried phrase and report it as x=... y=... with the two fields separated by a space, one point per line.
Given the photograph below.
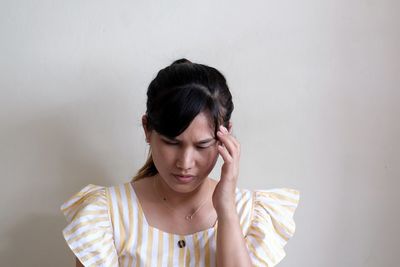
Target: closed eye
x=207 y=146
x=175 y=144
x=170 y=143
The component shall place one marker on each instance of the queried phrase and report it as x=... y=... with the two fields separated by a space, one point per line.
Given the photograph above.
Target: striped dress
x=107 y=227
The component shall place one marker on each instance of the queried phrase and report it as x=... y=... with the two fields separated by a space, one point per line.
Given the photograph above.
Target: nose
x=185 y=160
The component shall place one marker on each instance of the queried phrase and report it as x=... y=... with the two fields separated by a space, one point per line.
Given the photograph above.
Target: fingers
x=225 y=154
x=232 y=146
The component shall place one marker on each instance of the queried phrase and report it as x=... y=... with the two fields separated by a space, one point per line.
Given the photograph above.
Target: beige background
x=316 y=93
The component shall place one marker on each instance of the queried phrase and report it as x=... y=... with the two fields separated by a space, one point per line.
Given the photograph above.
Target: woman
x=172 y=213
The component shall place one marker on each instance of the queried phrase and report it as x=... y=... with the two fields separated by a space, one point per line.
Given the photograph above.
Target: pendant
x=189 y=217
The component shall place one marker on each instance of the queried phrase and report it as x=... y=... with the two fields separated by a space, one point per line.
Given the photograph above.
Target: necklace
x=187 y=217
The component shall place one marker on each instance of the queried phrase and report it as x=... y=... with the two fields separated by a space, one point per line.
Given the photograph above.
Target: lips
x=186 y=178
x=184 y=175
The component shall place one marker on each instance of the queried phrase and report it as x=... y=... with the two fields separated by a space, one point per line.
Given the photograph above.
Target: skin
x=186 y=155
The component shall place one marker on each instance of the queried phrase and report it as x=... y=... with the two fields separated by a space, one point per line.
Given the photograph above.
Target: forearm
x=231 y=247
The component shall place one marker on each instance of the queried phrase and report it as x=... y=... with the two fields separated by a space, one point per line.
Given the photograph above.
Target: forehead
x=199 y=129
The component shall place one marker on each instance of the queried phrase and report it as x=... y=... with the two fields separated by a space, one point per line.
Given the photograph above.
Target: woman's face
x=194 y=152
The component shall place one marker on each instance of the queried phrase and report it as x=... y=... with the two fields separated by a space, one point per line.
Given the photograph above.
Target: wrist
x=227 y=213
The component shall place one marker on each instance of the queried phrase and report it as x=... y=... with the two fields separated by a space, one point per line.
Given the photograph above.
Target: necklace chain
x=164 y=199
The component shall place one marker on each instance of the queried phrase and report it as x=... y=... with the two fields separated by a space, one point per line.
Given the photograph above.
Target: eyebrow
x=199 y=142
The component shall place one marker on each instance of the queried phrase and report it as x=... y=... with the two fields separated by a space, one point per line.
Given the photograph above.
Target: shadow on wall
x=47 y=159
x=34 y=241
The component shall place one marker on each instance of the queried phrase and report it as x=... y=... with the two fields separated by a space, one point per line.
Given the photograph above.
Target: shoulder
x=260 y=197
x=276 y=202
x=89 y=232
x=272 y=224
x=88 y=196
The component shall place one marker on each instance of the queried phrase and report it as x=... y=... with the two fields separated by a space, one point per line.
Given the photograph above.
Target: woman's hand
x=224 y=194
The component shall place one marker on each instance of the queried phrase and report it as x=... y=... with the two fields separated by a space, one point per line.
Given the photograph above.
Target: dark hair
x=178 y=94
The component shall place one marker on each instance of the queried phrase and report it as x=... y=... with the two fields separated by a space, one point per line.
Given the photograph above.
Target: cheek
x=209 y=158
x=162 y=158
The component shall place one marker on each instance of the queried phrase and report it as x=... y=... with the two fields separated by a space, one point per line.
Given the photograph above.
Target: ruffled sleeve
x=89 y=231
x=271 y=225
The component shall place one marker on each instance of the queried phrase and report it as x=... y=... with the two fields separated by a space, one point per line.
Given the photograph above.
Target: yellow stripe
x=139 y=233
x=196 y=250
x=83 y=246
x=276 y=230
x=181 y=253
x=253 y=196
x=253 y=251
x=263 y=246
x=122 y=247
x=73 y=201
x=278 y=196
x=241 y=215
x=85 y=190
x=111 y=209
x=110 y=216
x=115 y=260
x=82 y=208
x=90 y=195
x=93 y=212
x=73 y=212
x=277 y=210
x=262 y=234
x=82 y=235
x=187 y=263
x=102 y=261
x=89 y=212
x=131 y=222
x=149 y=246
x=170 y=250
x=160 y=248
x=257 y=231
x=96 y=253
x=88 y=256
x=292 y=191
x=207 y=262
x=81 y=224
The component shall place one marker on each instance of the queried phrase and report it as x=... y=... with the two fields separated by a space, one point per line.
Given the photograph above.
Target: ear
x=147 y=133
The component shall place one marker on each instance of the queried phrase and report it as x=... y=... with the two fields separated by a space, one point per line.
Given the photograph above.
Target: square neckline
x=155 y=228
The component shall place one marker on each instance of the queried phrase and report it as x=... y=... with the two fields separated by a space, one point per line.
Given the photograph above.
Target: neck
x=183 y=199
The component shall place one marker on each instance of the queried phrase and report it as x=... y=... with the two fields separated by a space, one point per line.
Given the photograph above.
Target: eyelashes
x=177 y=144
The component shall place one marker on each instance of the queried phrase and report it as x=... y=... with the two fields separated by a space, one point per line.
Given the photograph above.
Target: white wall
x=316 y=92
